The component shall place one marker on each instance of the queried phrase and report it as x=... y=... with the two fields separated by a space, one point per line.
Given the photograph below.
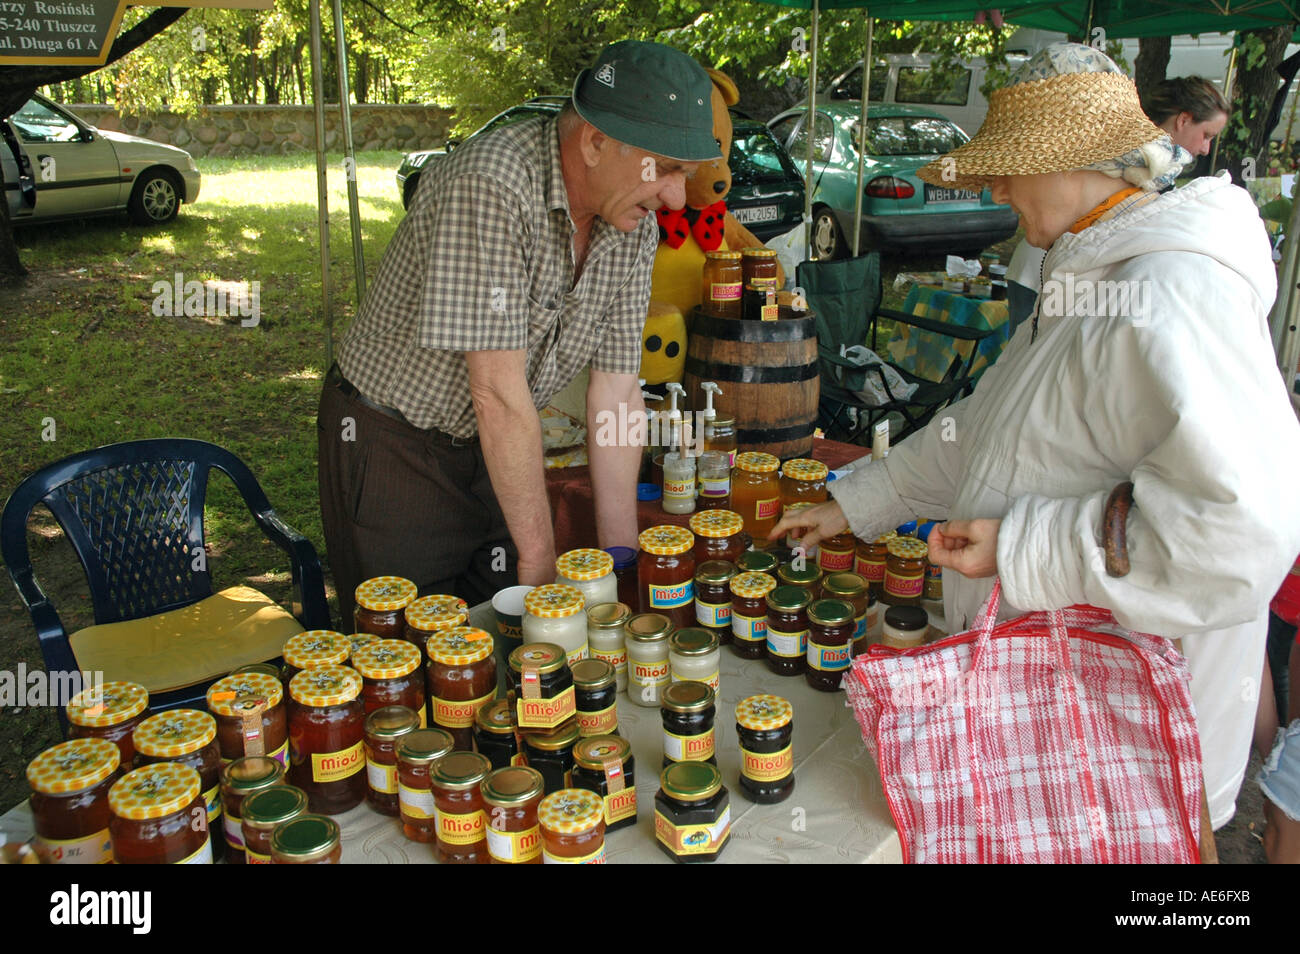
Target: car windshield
x=909 y=136
x=756 y=156
x=38 y=123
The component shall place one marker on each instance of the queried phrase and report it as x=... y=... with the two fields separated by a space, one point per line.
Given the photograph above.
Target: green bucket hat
x=652 y=97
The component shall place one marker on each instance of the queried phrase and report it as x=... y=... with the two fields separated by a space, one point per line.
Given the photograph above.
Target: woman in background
x=1190 y=109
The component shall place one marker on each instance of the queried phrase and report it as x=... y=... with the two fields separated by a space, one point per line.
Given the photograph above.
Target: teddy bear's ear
x=730 y=93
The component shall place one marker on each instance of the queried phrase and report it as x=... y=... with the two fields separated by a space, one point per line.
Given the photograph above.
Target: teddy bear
x=704 y=225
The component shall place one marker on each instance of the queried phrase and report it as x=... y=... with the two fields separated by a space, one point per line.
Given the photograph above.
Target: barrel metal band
x=744 y=374
x=774 y=435
x=731 y=329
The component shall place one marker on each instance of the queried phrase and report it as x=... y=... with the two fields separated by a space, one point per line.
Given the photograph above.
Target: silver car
x=71 y=169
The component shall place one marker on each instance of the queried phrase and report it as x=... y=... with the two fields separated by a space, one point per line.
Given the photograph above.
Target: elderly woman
x=1147 y=358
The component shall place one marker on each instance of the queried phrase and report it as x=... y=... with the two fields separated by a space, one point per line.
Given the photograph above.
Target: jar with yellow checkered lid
x=109 y=711
x=462 y=677
x=327 y=758
x=591 y=572
x=436 y=613
x=803 y=481
x=765 y=728
x=69 y=801
x=251 y=716
x=188 y=737
x=392 y=674
x=719 y=535
x=756 y=494
x=554 y=614
x=159 y=817
x=573 y=827
x=666 y=573
x=749 y=613
x=315 y=647
x=381 y=601
x=905 y=571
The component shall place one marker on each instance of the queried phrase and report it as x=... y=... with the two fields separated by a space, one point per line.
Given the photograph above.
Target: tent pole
x=1228 y=79
x=810 y=127
x=349 y=154
x=862 y=134
x=1285 y=316
x=322 y=186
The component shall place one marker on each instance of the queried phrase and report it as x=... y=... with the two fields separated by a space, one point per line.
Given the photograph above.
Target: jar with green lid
x=307 y=840
x=494 y=735
x=687 y=710
x=542 y=682
x=456 y=780
x=264 y=812
x=830 y=643
x=787 y=630
x=416 y=754
x=551 y=753
x=648 y=670
x=692 y=812
x=604 y=765
x=757 y=561
x=854 y=589
x=241 y=778
x=597 y=697
x=694 y=655
x=384 y=729
x=606 y=637
x=510 y=799
x=713 y=598
x=802 y=573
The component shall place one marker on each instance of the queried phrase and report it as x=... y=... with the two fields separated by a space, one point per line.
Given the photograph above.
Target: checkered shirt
x=483 y=261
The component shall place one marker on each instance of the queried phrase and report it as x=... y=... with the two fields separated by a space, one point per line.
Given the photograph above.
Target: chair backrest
x=844 y=295
x=133 y=513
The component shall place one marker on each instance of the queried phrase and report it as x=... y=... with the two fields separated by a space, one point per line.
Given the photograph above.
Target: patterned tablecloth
x=928 y=354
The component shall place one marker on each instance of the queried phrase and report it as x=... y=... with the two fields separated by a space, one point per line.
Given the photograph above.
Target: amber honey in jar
x=510 y=799
x=853 y=588
x=756 y=494
x=463 y=679
x=456 y=780
x=264 y=812
x=687 y=711
x=239 y=779
x=713 y=598
x=327 y=758
x=803 y=480
x=758 y=268
x=159 y=817
x=604 y=765
x=666 y=570
x=392 y=674
x=416 y=754
x=251 y=716
x=836 y=554
x=316 y=647
x=573 y=827
x=551 y=753
x=110 y=711
x=596 y=689
x=540 y=677
x=69 y=802
x=385 y=728
x=719 y=535
x=495 y=734
x=765 y=728
x=787 y=630
x=830 y=643
x=381 y=602
x=189 y=737
x=723 y=279
x=692 y=812
x=905 y=572
x=433 y=614
x=307 y=840
x=869 y=562
x=749 y=613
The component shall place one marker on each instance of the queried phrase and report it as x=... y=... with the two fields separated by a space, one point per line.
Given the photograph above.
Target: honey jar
x=803 y=480
x=687 y=711
x=385 y=728
x=647 y=653
x=765 y=728
x=803 y=573
x=905 y=571
x=719 y=535
x=607 y=637
x=239 y=779
x=572 y=821
x=392 y=674
x=853 y=588
x=757 y=561
x=589 y=571
x=597 y=697
x=554 y=613
x=756 y=494
x=316 y=647
x=380 y=604
x=111 y=711
x=787 y=630
x=463 y=678
x=251 y=716
x=836 y=554
x=159 y=817
x=551 y=753
x=69 y=802
x=830 y=643
x=720 y=435
x=264 y=812
x=904 y=627
x=869 y=562
x=713 y=598
x=494 y=735
x=327 y=756
x=456 y=780
x=510 y=799
x=692 y=812
x=433 y=614
x=694 y=655
x=604 y=765
x=749 y=613
x=417 y=752
x=359 y=640
x=758 y=268
x=542 y=682
x=722 y=279
x=666 y=571
x=307 y=840
x=189 y=737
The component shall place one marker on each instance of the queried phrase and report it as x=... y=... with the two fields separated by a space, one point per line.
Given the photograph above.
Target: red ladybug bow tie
x=708 y=225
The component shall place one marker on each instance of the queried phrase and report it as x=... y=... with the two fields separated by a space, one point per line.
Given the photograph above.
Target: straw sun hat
x=1069 y=107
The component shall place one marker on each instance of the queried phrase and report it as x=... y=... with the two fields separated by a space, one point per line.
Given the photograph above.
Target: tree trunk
x=1151 y=64
x=1244 y=142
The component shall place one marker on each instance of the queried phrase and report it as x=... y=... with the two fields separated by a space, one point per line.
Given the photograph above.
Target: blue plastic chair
x=133 y=513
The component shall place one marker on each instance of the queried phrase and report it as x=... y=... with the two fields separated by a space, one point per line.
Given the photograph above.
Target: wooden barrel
x=768 y=373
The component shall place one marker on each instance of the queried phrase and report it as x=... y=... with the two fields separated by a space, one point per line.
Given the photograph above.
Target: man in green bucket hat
x=525 y=257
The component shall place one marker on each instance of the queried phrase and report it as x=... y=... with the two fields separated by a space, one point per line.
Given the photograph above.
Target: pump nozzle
x=709 y=388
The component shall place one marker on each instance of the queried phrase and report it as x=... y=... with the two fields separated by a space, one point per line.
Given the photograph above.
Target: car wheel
x=155 y=198
x=827 y=239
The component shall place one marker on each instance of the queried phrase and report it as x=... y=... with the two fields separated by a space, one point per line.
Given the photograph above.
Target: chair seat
x=194 y=644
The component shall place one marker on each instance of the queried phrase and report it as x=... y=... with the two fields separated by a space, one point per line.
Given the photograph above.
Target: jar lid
x=552 y=740
x=830 y=612
x=804 y=468
x=592 y=674
x=844 y=584
x=909 y=548
x=571 y=811
x=425 y=745
x=274 y=806
x=648 y=627
x=886 y=537
x=923 y=531
x=752 y=585
x=387 y=659
x=359 y=640
x=460 y=646
x=384 y=594
x=723 y=421
x=693 y=641
x=907 y=529
x=758 y=252
x=460 y=771
x=317 y=647
x=174 y=733
x=789 y=598
x=763 y=712
x=262 y=669
x=584 y=564
x=542 y=657
x=690 y=781
x=907 y=617
x=756 y=561
x=437 y=611
x=648 y=492
x=305 y=838
x=392 y=722
x=512 y=785
x=594 y=752
x=809 y=575
x=607 y=615
x=687 y=697
x=715 y=571
x=757 y=462
x=111 y=704
x=554 y=601
x=73 y=766
x=230 y=695
x=666 y=540
x=496 y=718
x=251 y=773
x=723 y=255
x=717 y=523
x=325 y=686
x=153 y=791
x=623 y=557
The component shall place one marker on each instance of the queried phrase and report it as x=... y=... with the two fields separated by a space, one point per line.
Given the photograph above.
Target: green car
x=899 y=211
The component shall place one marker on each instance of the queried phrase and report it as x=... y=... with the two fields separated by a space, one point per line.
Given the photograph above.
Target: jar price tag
x=250 y=709
x=614 y=774
x=531 y=683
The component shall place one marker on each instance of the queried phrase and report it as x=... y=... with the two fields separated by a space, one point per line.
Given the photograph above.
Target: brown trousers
x=398 y=500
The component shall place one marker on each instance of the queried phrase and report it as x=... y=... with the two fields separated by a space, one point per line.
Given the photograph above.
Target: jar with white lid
x=590 y=572
x=904 y=627
x=607 y=638
x=553 y=613
x=648 y=669
x=694 y=655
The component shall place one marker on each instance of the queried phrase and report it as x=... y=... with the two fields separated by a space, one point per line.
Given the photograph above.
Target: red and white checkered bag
x=1054 y=737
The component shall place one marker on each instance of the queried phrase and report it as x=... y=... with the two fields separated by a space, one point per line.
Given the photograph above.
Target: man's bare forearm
x=614 y=463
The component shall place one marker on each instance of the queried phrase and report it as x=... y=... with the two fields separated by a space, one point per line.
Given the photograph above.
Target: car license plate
x=755 y=213
x=937 y=194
